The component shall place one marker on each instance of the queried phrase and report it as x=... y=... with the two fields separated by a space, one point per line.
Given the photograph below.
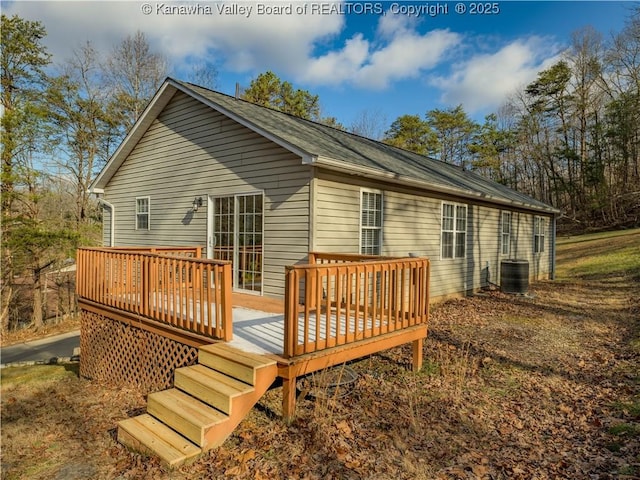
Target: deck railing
x=339 y=299
x=174 y=287
x=324 y=258
x=193 y=252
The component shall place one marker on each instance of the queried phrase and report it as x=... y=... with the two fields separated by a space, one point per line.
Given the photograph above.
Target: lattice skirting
x=122 y=355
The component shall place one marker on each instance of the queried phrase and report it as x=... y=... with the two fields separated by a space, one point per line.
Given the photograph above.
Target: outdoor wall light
x=197 y=202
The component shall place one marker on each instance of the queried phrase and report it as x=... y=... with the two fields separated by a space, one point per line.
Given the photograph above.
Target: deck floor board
x=258 y=322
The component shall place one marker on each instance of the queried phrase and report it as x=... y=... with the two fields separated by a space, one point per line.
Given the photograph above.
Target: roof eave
x=343 y=167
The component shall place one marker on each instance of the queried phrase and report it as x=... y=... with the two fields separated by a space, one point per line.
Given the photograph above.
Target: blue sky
x=378 y=58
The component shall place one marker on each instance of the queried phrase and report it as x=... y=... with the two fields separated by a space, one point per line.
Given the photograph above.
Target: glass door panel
x=249 y=247
x=223 y=228
x=237 y=237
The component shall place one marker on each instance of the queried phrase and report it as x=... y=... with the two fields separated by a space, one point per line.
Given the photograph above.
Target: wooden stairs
x=208 y=402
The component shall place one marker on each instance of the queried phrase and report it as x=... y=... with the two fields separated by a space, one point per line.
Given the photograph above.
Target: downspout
x=552 y=273
x=112 y=232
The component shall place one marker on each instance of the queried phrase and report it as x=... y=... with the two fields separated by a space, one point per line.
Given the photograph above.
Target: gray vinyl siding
x=539 y=263
x=337 y=217
x=412 y=224
x=191 y=151
x=106 y=226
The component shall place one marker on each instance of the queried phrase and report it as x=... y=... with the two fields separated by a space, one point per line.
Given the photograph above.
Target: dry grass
x=56 y=426
x=538 y=387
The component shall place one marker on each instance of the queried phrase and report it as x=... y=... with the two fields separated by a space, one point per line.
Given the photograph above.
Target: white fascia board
x=343 y=167
x=306 y=156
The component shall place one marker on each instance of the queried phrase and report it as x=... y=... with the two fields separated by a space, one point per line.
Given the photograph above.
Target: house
x=264 y=189
x=354 y=235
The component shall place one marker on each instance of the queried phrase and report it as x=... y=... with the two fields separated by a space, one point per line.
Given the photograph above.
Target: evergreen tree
x=269 y=91
x=22 y=60
x=411 y=133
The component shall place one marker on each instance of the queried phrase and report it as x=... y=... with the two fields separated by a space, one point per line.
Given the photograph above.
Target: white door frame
x=211 y=239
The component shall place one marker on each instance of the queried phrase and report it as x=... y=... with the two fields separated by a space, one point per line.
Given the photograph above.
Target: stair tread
x=216 y=380
x=167 y=444
x=239 y=356
x=191 y=409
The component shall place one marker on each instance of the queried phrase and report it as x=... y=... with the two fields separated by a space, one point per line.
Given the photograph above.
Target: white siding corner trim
x=112 y=221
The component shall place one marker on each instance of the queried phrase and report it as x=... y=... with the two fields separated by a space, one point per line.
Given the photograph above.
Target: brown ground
x=538 y=387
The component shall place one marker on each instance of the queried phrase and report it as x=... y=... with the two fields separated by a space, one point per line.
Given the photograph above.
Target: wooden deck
x=337 y=308
x=258 y=302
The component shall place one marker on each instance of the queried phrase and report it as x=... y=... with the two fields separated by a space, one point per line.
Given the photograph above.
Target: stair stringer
x=241 y=406
x=263 y=377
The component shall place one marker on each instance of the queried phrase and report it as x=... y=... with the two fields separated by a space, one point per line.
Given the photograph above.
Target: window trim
x=539 y=234
x=147 y=213
x=455 y=230
x=504 y=234
x=380 y=228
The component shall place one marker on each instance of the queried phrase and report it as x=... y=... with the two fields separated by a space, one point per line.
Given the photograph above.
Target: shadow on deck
x=151 y=318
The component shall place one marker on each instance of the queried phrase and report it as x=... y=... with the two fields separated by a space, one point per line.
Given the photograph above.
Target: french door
x=236 y=235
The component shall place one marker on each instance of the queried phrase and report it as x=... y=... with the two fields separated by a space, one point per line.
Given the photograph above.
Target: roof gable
x=328 y=147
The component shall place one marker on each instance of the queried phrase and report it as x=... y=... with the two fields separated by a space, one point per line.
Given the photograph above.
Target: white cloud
x=240 y=42
x=391 y=25
x=406 y=56
x=248 y=42
x=302 y=48
x=338 y=66
x=399 y=53
x=485 y=80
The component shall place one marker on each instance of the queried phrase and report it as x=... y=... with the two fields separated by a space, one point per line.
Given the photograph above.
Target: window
x=370 y=223
x=142 y=213
x=538 y=234
x=505 y=237
x=454 y=230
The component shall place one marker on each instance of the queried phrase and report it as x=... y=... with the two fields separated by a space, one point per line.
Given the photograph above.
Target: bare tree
x=81 y=124
x=204 y=74
x=369 y=123
x=133 y=72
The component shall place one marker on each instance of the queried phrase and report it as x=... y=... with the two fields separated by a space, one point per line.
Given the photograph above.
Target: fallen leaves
x=512 y=388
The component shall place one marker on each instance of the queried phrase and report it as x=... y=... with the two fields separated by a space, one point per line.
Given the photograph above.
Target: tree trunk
x=37 y=319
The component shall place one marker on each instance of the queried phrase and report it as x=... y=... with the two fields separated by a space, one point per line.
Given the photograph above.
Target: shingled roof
x=331 y=148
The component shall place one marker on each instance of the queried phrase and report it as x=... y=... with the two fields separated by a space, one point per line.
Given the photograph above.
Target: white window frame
x=140 y=214
x=505 y=233
x=377 y=228
x=539 y=228
x=455 y=231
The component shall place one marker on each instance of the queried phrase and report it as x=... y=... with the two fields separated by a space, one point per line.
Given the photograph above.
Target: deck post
x=288 y=399
x=145 y=273
x=227 y=303
x=417 y=354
